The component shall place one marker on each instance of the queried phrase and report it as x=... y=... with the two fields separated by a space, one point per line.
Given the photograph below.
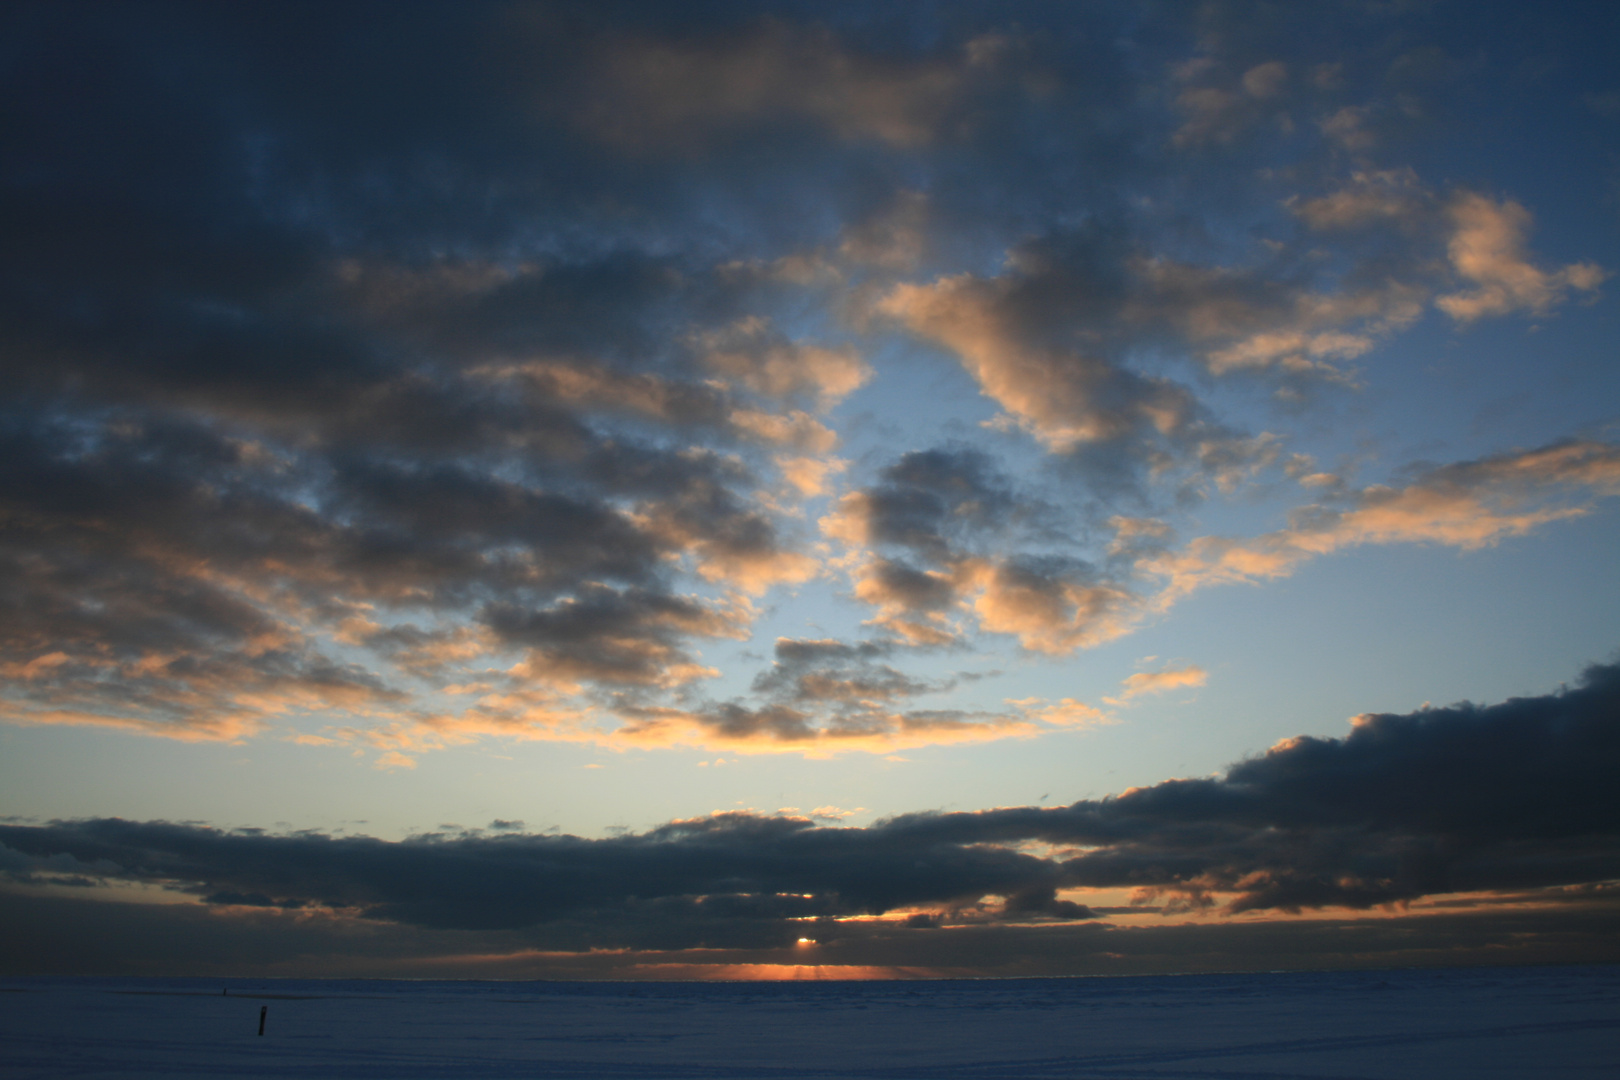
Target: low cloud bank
x=1514 y=797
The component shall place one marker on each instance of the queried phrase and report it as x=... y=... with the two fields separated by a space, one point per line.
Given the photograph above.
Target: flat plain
x=1368 y=1025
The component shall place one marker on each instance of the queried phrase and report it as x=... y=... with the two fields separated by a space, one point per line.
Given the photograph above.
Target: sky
x=718 y=490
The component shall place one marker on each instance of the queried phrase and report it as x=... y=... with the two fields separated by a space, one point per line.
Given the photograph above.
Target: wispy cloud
x=1159 y=682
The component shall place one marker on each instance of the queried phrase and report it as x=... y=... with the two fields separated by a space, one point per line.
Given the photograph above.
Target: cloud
x=601 y=388
x=1348 y=128
x=835 y=813
x=708 y=869
x=912 y=604
x=810 y=476
x=205 y=511
x=260 y=471
x=611 y=636
x=128 y=603
x=1159 y=682
x=756 y=357
x=92 y=937
x=828 y=696
x=448 y=373
x=941 y=508
x=1487 y=250
x=1247 y=318
x=797 y=430
x=931 y=502
x=1065 y=397
x=1466 y=799
x=737 y=547
x=172 y=580
x=1265 y=80
x=1051 y=604
x=667 y=95
x=1054 y=339
x=829 y=671
x=1467 y=505
x=1370 y=197
x=1485 y=243
x=1066 y=713
x=816 y=731
x=1218 y=108
x=894 y=239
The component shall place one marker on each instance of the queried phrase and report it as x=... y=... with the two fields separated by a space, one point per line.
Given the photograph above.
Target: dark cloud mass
x=1514 y=799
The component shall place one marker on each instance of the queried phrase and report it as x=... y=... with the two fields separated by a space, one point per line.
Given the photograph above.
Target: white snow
x=1480 y=1023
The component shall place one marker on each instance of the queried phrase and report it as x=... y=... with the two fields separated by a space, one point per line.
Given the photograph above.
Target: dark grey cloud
x=772 y=868
x=1462 y=798
x=836 y=694
x=69 y=936
x=608 y=635
x=914 y=589
x=836 y=673
x=929 y=498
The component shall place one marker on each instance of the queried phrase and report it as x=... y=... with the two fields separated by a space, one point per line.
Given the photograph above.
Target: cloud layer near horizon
x=1514 y=801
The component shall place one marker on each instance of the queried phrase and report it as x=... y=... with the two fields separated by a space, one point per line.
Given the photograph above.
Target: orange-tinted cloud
x=1159 y=682
x=810 y=476
x=797 y=430
x=914 y=604
x=1370 y=197
x=752 y=354
x=1065 y=713
x=212 y=728
x=1467 y=505
x=1049 y=612
x=1064 y=397
x=784 y=728
x=1487 y=250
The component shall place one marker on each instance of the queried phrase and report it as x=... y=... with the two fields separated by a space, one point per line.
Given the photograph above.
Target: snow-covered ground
x=1480 y=1023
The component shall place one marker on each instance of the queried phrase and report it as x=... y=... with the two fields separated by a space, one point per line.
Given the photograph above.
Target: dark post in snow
x=262 y=1010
